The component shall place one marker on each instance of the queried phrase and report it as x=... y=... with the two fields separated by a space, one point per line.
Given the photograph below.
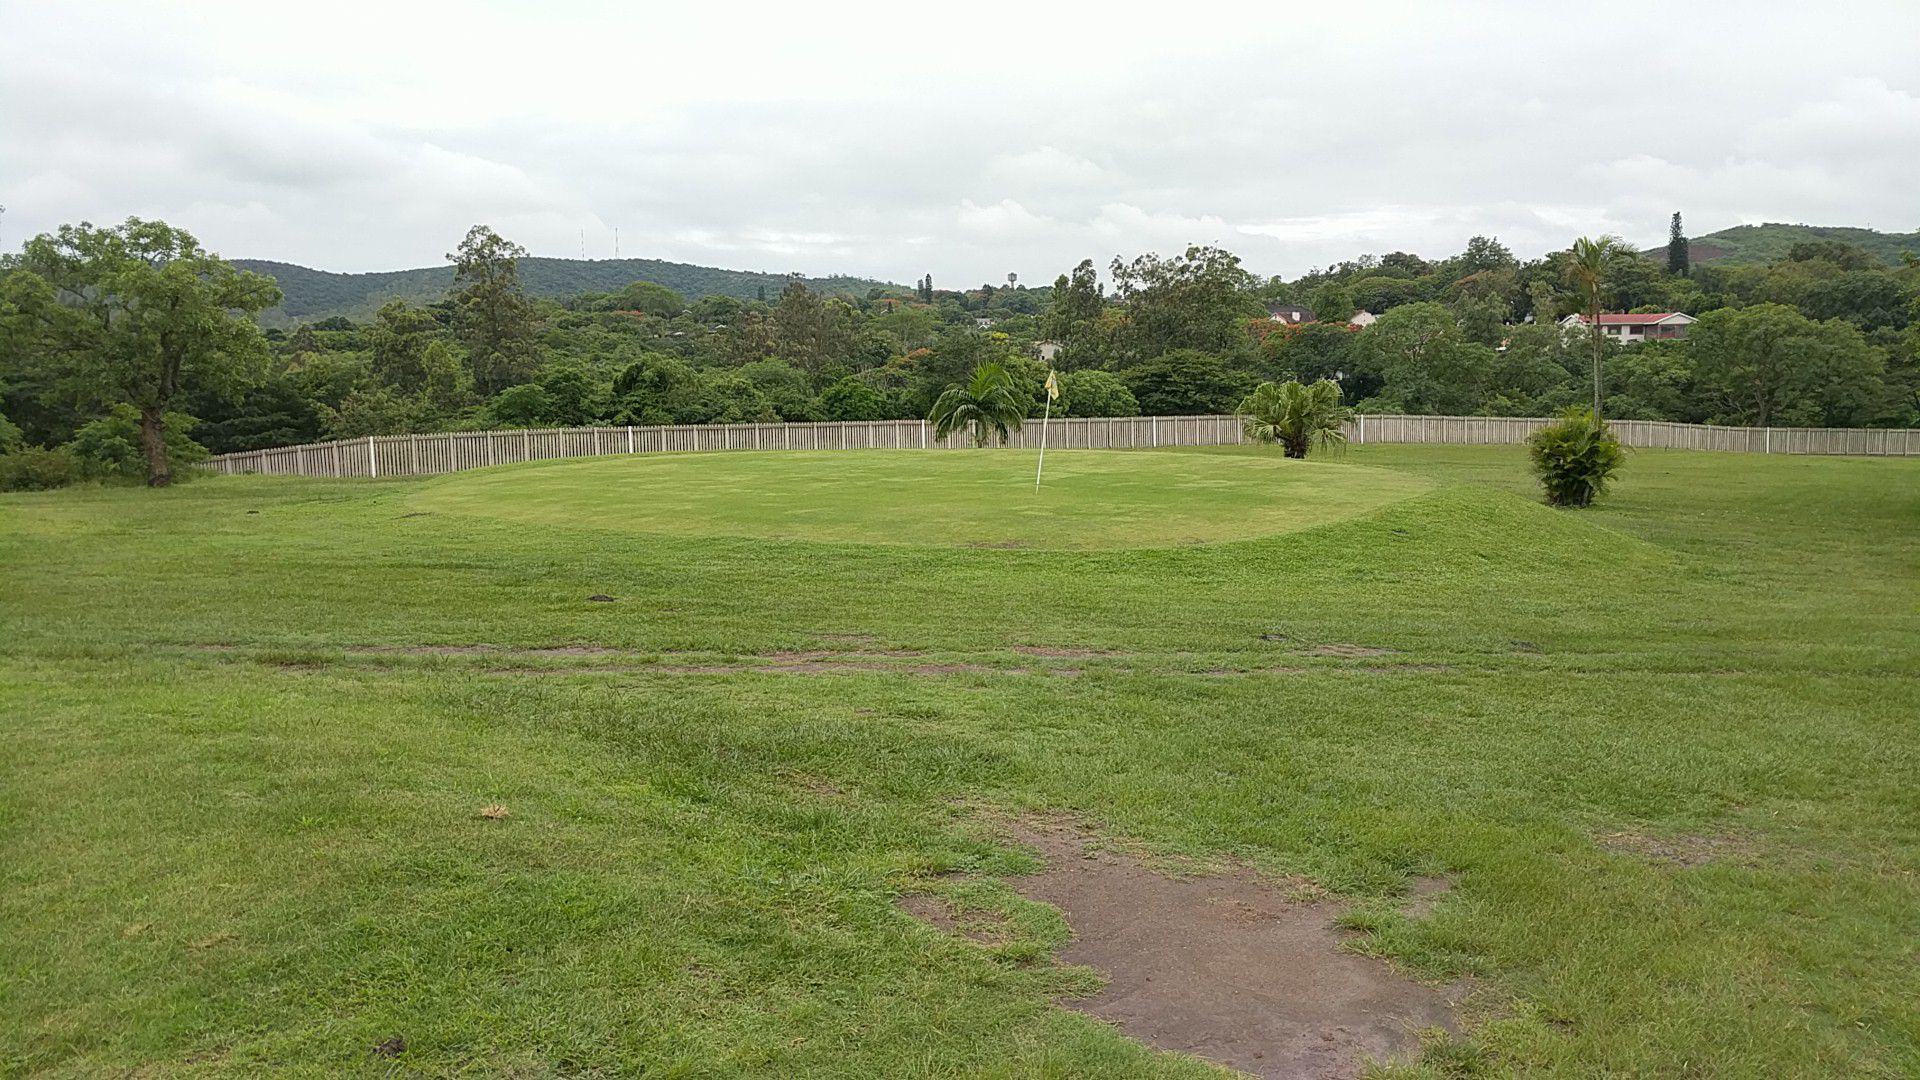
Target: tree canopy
x=137 y=314
x=1825 y=332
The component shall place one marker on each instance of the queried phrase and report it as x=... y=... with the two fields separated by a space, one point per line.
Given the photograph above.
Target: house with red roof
x=1627 y=328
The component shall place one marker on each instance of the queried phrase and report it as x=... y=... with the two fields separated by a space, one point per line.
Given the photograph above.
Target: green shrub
x=1575 y=457
x=1296 y=416
x=34 y=469
x=109 y=448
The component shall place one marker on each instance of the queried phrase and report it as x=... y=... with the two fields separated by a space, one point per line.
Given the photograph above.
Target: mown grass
x=1089 y=499
x=240 y=831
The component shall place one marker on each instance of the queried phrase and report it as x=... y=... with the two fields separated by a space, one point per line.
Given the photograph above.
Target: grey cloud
x=1386 y=128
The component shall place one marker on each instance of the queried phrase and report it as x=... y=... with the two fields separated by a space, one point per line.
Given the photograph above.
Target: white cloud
x=885 y=141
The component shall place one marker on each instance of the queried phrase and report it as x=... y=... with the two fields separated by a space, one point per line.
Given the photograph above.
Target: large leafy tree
x=651 y=298
x=1185 y=382
x=1769 y=364
x=656 y=389
x=1296 y=416
x=398 y=340
x=1484 y=254
x=136 y=314
x=1589 y=270
x=1869 y=299
x=1422 y=361
x=1199 y=300
x=271 y=414
x=496 y=321
x=1096 y=393
x=809 y=330
x=1309 y=351
x=991 y=403
x=852 y=399
x=1077 y=305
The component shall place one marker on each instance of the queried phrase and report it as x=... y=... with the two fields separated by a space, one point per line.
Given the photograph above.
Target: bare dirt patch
x=1344 y=650
x=1680 y=850
x=1227 y=967
x=783 y=656
x=1062 y=652
x=1423 y=895
x=816 y=785
x=487 y=650
x=790 y=667
x=1350 y=669
x=984 y=928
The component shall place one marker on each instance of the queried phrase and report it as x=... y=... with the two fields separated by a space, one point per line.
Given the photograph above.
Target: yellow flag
x=1053 y=387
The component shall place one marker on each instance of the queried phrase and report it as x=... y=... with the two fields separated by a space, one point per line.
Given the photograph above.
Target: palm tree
x=1295 y=416
x=990 y=403
x=1587 y=271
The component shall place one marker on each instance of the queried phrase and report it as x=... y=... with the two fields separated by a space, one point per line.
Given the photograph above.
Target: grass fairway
x=1090 y=498
x=1664 y=750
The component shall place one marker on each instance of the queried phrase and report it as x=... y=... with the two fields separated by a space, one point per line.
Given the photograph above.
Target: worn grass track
x=1665 y=750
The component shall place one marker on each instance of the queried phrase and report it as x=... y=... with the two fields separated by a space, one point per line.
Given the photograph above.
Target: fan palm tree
x=990 y=403
x=1295 y=416
x=1587 y=272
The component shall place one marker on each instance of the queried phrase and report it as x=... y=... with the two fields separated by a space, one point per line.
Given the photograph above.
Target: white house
x=1289 y=313
x=1363 y=319
x=1048 y=349
x=1629 y=328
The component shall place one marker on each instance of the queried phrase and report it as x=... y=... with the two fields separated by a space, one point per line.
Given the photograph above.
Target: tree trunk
x=153 y=443
x=1597 y=339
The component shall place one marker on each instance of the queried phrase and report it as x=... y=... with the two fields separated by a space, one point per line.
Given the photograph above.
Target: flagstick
x=1048 y=415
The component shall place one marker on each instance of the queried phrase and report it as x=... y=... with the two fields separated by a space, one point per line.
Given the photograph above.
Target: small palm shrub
x=1295 y=416
x=1575 y=457
x=991 y=404
x=34 y=469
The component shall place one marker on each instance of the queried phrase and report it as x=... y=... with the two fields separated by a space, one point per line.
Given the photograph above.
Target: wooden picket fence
x=445 y=452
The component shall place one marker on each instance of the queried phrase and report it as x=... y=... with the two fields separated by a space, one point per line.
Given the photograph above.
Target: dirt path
x=1226 y=967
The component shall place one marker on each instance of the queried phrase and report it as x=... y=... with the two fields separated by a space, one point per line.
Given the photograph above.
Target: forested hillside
x=313 y=295
x=1757 y=245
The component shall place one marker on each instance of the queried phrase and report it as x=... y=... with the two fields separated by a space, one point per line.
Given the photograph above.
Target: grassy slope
x=220 y=859
x=312 y=295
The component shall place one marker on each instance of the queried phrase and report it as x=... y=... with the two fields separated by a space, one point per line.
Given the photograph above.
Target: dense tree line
x=1826 y=335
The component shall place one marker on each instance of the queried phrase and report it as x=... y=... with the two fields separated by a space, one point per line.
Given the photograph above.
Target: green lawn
x=238 y=793
x=1088 y=499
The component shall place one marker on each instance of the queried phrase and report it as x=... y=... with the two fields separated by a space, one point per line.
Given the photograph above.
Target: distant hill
x=311 y=295
x=1754 y=244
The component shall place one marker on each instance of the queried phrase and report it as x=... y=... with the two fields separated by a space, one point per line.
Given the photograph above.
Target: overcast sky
x=965 y=139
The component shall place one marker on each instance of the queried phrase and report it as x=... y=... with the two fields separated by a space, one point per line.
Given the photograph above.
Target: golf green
x=977 y=498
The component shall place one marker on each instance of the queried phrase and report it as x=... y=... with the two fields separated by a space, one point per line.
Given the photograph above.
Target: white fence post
x=453 y=451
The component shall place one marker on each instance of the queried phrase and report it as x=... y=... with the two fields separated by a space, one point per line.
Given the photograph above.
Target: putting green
x=1091 y=499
